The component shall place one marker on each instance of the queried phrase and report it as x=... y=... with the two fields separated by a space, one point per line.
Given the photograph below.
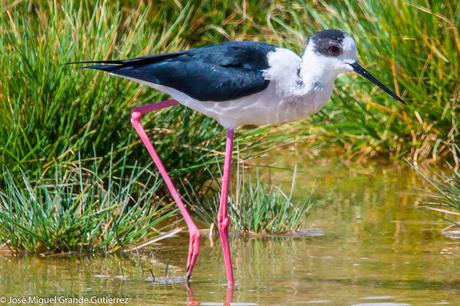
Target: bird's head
x=336 y=51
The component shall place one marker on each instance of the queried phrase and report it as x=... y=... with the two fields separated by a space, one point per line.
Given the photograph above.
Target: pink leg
x=228 y=296
x=136 y=115
x=222 y=217
x=192 y=301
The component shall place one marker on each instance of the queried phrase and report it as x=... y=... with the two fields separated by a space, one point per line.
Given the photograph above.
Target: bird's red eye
x=333 y=50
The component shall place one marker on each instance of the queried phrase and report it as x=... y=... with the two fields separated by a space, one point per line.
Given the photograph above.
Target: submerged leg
x=222 y=217
x=194 y=244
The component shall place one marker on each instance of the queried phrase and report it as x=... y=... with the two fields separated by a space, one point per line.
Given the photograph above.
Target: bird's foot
x=193 y=250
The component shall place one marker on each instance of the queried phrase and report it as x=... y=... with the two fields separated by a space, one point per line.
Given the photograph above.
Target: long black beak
x=359 y=69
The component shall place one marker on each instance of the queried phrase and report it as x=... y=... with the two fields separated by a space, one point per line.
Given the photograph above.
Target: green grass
x=82 y=209
x=444 y=198
x=255 y=207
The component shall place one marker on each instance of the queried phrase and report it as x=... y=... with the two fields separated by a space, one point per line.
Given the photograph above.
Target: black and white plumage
x=221 y=72
x=243 y=82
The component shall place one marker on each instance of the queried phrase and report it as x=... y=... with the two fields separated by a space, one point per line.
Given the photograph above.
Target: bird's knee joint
x=223 y=224
x=135 y=116
x=196 y=236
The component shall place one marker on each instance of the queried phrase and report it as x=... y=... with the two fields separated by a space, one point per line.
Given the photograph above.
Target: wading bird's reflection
x=192 y=301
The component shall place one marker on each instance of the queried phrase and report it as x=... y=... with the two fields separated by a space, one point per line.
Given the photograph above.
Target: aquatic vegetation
x=373 y=251
x=81 y=209
x=261 y=208
x=255 y=207
x=445 y=195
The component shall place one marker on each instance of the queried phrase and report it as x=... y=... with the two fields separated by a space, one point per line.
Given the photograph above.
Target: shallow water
x=376 y=249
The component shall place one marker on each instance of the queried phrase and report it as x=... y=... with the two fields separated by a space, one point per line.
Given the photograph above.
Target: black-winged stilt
x=238 y=83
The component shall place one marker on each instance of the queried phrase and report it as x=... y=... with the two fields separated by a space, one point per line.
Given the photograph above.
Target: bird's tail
x=113 y=65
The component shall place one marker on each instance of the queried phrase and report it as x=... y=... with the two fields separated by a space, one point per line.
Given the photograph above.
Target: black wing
x=220 y=72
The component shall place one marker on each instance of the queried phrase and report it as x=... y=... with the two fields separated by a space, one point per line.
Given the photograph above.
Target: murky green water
x=376 y=249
